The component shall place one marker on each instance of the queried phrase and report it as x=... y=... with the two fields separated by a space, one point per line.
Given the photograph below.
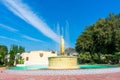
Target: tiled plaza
x=81 y=74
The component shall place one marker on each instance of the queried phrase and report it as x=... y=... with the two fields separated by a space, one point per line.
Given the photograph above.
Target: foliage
x=12 y=58
x=17 y=49
x=84 y=58
x=3 y=53
x=53 y=52
x=15 y=52
x=20 y=60
x=101 y=38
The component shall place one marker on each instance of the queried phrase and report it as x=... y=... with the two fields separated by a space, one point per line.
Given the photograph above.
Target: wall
x=37 y=57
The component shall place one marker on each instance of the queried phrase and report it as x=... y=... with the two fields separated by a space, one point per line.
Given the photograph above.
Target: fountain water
x=62 y=61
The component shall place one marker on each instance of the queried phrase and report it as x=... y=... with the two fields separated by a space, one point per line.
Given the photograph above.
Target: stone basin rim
x=63 y=57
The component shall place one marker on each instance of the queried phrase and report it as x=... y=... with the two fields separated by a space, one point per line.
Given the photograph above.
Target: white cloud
x=8 y=38
x=31 y=38
x=8 y=28
x=15 y=30
x=24 y=12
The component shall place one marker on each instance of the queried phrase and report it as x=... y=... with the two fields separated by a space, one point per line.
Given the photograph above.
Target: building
x=37 y=57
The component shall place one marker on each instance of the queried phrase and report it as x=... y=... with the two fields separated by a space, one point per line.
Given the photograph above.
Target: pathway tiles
x=107 y=76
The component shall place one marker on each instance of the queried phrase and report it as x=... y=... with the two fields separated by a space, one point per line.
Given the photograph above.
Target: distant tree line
x=101 y=41
x=11 y=57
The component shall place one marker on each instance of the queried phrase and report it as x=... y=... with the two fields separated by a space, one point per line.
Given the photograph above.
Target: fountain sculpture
x=63 y=61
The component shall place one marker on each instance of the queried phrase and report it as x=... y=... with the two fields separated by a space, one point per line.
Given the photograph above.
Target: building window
x=27 y=58
x=41 y=54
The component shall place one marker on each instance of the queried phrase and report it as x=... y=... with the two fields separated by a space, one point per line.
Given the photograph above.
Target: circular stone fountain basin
x=63 y=62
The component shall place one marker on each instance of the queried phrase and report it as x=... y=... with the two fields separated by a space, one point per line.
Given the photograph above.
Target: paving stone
x=99 y=74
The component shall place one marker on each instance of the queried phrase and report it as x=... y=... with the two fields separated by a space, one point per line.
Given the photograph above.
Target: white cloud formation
x=8 y=38
x=31 y=38
x=15 y=30
x=24 y=12
x=8 y=28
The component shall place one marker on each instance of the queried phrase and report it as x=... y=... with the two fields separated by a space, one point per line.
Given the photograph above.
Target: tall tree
x=12 y=58
x=3 y=53
x=84 y=42
x=21 y=49
x=102 y=37
x=15 y=52
x=17 y=49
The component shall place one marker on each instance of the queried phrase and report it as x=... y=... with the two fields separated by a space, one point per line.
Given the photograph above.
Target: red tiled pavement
x=107 y=76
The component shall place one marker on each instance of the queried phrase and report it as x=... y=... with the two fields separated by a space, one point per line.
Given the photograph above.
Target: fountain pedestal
x=63 y=62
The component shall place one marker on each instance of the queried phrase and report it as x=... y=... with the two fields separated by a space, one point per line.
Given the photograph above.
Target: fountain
x=62 y=61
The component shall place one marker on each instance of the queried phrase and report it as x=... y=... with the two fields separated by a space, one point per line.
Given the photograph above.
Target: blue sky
x=38 y=24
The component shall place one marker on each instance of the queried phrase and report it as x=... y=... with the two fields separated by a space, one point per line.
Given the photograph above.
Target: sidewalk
x=108 y=76
x=15 y=76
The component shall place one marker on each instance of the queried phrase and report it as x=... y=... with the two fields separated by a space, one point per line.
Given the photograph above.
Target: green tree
x=84 y=58
x=21 y=49
x=15 y=52
x=3 y=53
x=84 y=42
x=17 y=49
x=20 y=60
x=12 y=58
x=101 y=38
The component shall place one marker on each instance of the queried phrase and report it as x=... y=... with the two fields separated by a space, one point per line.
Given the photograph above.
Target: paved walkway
x=4 y=75
x=64 y=72
x=108 y=76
